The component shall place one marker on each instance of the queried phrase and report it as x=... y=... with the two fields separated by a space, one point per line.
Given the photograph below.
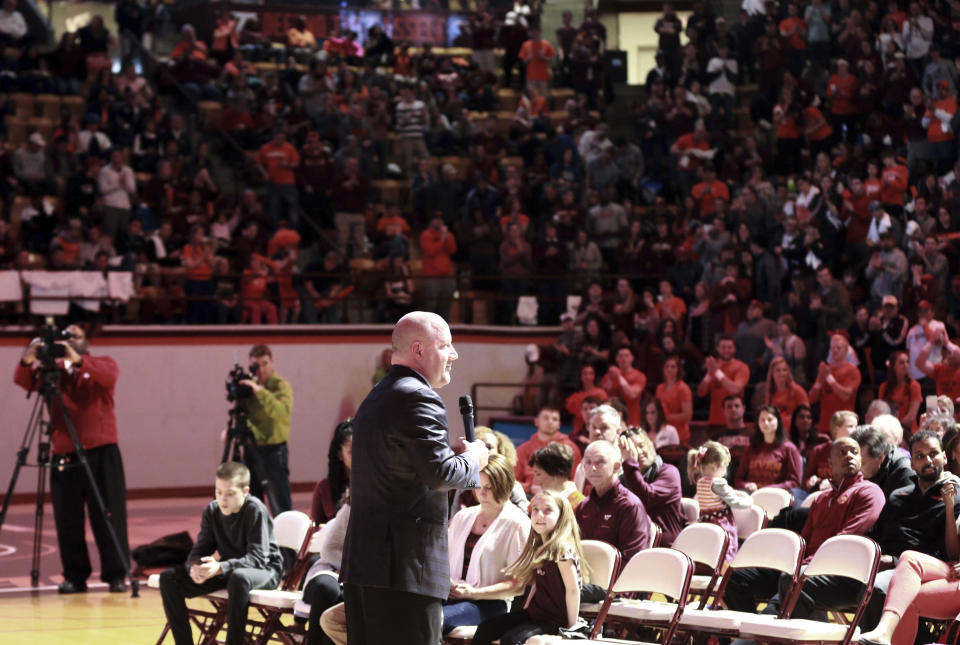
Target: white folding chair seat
x=651 y=571
x=776 y=549
x=795 y=629
x=723 y=621
x=849 y=556
x=772 y=500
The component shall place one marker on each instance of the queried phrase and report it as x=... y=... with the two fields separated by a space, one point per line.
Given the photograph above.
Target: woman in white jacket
x=483 y=541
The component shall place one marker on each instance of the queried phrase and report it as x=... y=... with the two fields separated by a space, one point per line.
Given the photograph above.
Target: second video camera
x=237 y=390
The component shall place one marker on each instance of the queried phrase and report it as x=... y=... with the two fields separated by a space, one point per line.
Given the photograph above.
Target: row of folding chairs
x=670 y=573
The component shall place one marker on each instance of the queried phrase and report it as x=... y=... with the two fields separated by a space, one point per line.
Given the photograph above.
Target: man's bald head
x=421 y=341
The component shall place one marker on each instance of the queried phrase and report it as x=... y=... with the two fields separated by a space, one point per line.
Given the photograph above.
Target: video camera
x=236 y=391
x=49 y=349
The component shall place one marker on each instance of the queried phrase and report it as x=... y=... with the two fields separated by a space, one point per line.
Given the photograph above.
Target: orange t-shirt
x=798 y=40
x=537 y=68
x=202 y=271
x=575 y=401
x=902 y=396
x=672 y=398
x=812 y=115
x=635 y=378
x=705 y=193
x=270 y=157
x=848 y=376
x=947 y=380
x=735 y=371
x=787 y=127
x=841 y=90
x=871 y=188
x=789 y=400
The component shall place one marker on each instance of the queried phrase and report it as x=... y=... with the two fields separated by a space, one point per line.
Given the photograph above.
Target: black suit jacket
x=402 y=469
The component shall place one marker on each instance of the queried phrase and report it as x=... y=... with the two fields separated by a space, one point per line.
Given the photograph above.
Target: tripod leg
x=36 y=418
x=38 y=523
x=55 y=396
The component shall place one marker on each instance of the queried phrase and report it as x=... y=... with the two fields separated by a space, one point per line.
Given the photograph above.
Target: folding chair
x=706 y=544
x=604 y=561
x=291 y=529
x=749 y=521
x=776 y=549
x=651 y=571
x=691 y=509
x=849 y=556
x=772 y=500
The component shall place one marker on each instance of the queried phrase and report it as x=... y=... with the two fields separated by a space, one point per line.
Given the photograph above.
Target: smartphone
x=932 y=403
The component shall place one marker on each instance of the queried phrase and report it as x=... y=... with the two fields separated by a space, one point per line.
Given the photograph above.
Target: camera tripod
x=49 y=395
x=241 y=447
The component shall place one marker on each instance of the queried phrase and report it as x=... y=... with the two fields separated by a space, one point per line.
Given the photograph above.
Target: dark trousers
x=747 y=586
x=322 y=592
x=70 y=491
x=378 y=616
x=176 y=586
x=277 y=474
x=512 y=629
x=203 y=310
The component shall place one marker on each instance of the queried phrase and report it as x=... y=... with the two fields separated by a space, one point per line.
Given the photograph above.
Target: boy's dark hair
x=260 y=350
x=235 y=472
x=555 y=459
x=871 y=440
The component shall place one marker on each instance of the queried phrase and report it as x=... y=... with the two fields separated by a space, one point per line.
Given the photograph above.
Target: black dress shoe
x=118 y=586
x=68 y=586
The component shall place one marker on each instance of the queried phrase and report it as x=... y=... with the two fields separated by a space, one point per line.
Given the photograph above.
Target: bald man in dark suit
x=395 y=566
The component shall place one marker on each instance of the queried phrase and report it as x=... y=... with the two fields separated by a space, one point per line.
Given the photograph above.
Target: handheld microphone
x=466 y=410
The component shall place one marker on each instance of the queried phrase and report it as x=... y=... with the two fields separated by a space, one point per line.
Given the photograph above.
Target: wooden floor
x=93 y=618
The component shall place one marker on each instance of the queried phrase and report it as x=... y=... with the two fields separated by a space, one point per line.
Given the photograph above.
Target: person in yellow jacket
x=268 y=417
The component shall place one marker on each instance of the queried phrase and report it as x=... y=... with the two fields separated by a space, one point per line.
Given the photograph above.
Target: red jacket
x=88 y=398
x=436 y=253
x=896 y=176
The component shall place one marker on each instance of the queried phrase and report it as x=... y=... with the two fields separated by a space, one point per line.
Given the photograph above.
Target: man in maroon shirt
x=611 y=513
x=87 y=385
x=851 y=507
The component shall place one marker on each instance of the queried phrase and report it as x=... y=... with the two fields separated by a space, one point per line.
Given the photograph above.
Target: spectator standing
x=726 y=376
x=118 y=187
x=917 y=32
x=348 y=198
x=537 y=54
x=516 y=265
x=837 y=381
x=625 y=381
x=411 y=124
x=278 y=161
x=438 y=244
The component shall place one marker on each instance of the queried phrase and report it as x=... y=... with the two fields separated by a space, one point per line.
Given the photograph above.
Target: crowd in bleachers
x=788 y=176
